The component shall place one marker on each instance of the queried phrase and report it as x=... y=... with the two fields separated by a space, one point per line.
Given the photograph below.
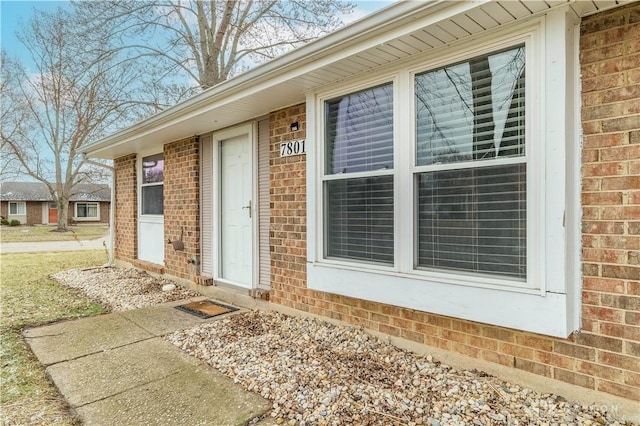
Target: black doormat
x=206 y=309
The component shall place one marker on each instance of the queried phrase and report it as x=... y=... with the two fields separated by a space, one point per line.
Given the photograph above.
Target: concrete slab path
x=53 y=246
x=116 y=369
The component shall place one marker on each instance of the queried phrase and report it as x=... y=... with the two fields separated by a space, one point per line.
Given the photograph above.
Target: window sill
x=547 y=314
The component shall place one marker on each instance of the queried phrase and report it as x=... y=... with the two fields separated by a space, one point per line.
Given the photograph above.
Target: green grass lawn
x=10 y=234
x=28 y=297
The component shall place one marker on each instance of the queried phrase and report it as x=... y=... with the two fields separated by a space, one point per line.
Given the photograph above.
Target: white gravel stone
x=122 y=289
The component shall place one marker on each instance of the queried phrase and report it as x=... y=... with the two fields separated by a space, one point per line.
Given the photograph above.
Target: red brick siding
x=34 y=213
x=288 y=213
x=610 y=64
x=126 y=208
x=181 y=205
x=105 y=212
x=606 y=355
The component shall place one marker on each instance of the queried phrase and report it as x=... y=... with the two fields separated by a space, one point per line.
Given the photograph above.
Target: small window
x=18 y=209
x=87 y=210
x=152 y=184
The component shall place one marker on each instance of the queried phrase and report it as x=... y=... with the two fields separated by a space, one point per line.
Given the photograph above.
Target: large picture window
x=87 y=211
x=454 y=188
x=358 y=184
x=152 y=184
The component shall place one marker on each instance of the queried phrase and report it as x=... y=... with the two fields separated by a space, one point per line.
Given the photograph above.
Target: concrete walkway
x=116 y=369
x=52 y=246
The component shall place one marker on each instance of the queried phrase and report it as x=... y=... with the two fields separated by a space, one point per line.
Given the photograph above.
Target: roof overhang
x=398 y=32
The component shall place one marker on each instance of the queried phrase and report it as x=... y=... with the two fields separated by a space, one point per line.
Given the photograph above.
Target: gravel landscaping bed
x=122 y=289
x=316 y=373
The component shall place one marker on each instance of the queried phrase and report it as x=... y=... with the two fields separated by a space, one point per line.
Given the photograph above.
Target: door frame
x=217 y=138
x=49 y=209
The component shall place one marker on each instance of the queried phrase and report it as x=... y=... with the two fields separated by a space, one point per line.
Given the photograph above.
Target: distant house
x=459 y=174
x=31 y=203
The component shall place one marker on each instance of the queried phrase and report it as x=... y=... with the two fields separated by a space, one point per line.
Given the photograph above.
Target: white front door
x=236 y=222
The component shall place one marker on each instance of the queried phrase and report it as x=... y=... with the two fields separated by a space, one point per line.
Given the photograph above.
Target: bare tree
x=75 y=94
x=209 y=41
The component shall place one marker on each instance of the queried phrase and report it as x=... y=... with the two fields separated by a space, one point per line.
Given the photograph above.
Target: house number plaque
x=290 y=148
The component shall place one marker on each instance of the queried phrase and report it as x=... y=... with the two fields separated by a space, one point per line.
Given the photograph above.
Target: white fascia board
x=396 y=20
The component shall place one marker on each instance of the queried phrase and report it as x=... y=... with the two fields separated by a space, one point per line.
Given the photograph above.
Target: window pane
x=359 y=131
x=153 y=169
x=474 y=220
x=473 y=110
x=152 y=199
x=359 y=219
x=92 y=210
x=82 y=210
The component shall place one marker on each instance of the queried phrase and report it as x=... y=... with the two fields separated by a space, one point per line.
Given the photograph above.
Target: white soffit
x=403 y=30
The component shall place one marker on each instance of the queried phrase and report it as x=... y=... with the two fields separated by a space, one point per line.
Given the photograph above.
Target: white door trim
x=217 y=137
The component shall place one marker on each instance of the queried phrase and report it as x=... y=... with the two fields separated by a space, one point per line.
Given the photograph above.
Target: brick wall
x=104 y=212
x=606 y=354
x=34 y=212
x=126 y=208
x=288 y=195
x=610 y=61
x=181 y=205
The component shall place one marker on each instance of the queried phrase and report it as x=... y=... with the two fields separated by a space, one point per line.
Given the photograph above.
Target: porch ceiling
x=400 y=31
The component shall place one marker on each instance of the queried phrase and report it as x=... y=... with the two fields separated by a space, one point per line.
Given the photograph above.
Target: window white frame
x=79 y=218
x=546 y=302
x=20 y=208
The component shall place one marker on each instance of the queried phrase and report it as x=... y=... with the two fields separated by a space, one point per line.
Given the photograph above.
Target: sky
x=14 y=13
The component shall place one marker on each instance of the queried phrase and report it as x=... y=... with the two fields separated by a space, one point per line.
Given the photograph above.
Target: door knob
x=248 y=207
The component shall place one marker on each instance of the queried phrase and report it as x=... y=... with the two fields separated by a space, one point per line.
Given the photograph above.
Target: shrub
x=14 y=222
x=4 y=222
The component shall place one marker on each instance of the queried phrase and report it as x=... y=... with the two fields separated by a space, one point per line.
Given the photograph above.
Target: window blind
x=359 y=219
x=472 y=110
x=473 y=220
x=359 y=131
